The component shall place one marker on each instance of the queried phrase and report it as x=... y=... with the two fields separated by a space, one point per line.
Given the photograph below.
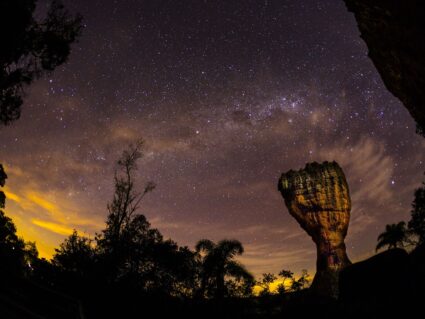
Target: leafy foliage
x=16 y=255
x=11 y=247
x=395 y=235
x=221 y=275
x=301 y=282
x=266 y=280
x=3 y=177
x=285 y=275
x=398 y=235
x=30 y=48
x=75 y=255
x=417 y=222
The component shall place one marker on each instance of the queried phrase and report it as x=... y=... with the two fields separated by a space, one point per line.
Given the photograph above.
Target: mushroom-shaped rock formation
x=318 y=198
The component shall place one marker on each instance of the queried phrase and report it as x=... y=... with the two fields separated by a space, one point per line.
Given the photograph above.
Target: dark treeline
x=130 y=269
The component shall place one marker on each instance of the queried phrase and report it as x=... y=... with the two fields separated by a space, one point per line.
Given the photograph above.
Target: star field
x=227 y=95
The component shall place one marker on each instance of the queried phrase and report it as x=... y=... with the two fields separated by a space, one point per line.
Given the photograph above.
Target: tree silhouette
x=75 y=256
x=394 y=236
x=127 y=232
x=130 y=251
x=3 y=177
x=12 y=248
x=416 y=224
x=30 y=255
x=281 y=289
x=268 y=278
x=217 y=263
x=301 y=282
x=286 y=275
x=30 y=48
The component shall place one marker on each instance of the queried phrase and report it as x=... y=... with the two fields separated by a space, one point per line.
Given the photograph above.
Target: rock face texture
x=394 y=32
x=318 y=198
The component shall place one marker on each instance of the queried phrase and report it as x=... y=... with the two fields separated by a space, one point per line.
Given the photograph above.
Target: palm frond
x=205 y=245
x=230 y=248
x=237 y=270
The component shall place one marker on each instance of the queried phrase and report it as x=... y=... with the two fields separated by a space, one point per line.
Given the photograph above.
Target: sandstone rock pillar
x=318 y=198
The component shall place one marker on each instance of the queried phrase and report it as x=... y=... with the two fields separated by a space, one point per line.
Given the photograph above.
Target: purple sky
x=227 y=95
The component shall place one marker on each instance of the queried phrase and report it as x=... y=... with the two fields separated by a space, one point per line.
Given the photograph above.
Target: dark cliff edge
x=394 y=32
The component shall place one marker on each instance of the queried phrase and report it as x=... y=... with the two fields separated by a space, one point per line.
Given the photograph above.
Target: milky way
x=227 y=95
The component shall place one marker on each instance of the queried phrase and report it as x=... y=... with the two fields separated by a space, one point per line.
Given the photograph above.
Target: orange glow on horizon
x=45 y=218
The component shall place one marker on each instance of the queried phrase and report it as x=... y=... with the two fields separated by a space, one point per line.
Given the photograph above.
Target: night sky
x=227 y=95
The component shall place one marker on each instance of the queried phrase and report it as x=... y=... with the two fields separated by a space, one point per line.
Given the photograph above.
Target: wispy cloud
x=369 y=170
x=53 y=227
x=45 y=217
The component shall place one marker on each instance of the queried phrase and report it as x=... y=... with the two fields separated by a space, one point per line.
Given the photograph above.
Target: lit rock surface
x=318 y=198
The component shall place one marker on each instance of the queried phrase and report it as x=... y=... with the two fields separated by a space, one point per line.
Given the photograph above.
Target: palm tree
x=394 y=236
x=217 y=263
